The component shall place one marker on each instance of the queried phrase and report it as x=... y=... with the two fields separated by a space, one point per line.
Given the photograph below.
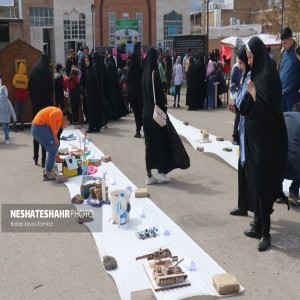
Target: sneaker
x=162 y=178
x=7 y=142
x=48 y=176
x=150 y=180
x=292 y=199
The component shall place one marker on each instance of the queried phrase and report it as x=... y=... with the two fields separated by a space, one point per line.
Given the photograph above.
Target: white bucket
x=114 y=199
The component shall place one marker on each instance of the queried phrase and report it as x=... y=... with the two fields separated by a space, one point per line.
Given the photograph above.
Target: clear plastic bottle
x=122 y=210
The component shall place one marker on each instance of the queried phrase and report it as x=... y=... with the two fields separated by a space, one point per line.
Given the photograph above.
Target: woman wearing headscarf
x=194 y=92
x=40 y=89
x=113 y=92
x=135 y=91
x=243 y=205
x=95 y=92
x=164 y=149
x=201 y=74
x=265 y=139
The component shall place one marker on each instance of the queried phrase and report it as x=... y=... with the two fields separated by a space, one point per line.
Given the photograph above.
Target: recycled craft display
x=159 y=116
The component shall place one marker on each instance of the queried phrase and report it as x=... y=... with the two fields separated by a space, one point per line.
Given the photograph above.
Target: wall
x=130 y=6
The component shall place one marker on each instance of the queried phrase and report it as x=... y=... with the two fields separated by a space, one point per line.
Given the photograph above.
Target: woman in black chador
x=135 y=92
x=164 y=149
x=95 y=92
x=40 y=89
x=265 y=139
x=113 y=93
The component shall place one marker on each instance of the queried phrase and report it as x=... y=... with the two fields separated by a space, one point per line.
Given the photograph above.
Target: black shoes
x=239 y=212
x=137 y=135
x=252 y=233
x=35 y=160
x=264 y=243
x=174 y=105
x=178 y=105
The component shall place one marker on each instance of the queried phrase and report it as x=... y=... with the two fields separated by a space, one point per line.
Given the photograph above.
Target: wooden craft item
x=226 y=284
x=220 y=139
x=141 y=193
x=200 y=149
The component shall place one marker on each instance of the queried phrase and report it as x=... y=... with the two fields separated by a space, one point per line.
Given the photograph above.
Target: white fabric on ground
x=124 y=245
x=192 y=135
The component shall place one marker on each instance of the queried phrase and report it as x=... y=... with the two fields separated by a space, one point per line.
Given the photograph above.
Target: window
x=112 y=28
x=139 y=17
x=74 y=30
x=172 y=26
x=41 y=17
x=4 y=32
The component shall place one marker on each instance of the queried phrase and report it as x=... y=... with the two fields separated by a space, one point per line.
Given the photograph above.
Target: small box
x=106 y=158
x=226 y=284
x=141 y=193
x=220 y=139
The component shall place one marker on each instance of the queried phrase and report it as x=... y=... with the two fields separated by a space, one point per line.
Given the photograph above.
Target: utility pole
x=282 y=14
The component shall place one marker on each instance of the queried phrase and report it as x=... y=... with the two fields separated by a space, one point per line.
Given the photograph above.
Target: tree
x=281 y=15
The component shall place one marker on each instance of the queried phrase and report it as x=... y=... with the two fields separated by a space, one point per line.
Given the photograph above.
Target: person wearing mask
x=265 y=139
x=289 y=69
x=164 y=149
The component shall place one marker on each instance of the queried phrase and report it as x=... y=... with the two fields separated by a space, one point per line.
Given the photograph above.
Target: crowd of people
x=99 y=88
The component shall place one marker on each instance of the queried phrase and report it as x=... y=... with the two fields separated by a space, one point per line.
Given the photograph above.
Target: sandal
x=48 y=176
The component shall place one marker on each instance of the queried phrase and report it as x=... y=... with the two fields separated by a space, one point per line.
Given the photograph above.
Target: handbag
x=159 y=116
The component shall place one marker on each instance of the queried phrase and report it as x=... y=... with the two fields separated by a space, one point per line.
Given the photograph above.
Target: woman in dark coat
x=193 y=93
x=201 y=74
x=221 y=88
x=265 y=139
x=95 y=92
x=113 y=92
x=135 y=92
x=164 y=149
x=40 y=89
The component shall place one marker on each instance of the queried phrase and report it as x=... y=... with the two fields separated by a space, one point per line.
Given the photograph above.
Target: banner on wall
x=126 y=29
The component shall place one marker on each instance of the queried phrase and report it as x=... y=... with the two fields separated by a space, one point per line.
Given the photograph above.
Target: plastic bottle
x=122 y=211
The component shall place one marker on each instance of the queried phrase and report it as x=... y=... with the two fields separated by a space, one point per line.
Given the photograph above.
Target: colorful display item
x=147 y=233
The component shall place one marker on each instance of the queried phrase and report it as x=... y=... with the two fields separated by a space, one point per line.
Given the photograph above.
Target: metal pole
x=282 y=14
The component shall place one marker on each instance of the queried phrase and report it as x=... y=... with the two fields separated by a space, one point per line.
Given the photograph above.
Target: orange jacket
x=51 y=116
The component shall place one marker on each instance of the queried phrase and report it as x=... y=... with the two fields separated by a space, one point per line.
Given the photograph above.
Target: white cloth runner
x=124 y=245
x=192 y=135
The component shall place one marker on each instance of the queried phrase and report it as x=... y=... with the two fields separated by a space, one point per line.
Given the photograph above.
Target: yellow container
x=70 y=173
x=238 y=151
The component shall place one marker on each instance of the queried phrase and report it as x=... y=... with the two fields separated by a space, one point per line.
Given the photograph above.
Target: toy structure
x=204 y=136
x=147 y=233
x=168 y=274
x=159 y=254
x=162 y=271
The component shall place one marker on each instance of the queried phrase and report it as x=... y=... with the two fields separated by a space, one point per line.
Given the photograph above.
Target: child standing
x=6 y=112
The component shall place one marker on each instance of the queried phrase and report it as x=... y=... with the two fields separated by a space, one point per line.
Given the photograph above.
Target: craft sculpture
x=159 y=254
x=167 y=274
